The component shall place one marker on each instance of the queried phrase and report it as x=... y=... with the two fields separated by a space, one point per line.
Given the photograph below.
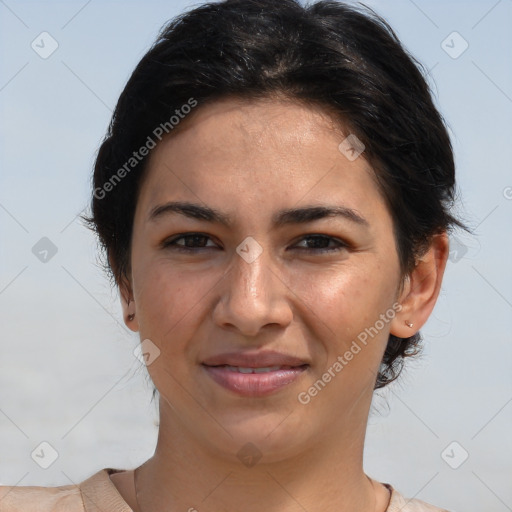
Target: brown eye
x=192 y=241
x=320 y=243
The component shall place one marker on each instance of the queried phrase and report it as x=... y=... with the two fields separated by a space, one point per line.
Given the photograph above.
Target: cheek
x=170 y=301
x=344 y=301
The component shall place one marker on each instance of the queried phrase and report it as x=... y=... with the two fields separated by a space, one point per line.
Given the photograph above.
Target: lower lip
x=253 y=384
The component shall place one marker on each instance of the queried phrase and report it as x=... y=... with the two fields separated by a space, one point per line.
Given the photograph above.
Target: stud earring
x=409 y=324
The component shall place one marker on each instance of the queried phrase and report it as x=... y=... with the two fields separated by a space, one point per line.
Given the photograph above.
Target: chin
x=272 y=436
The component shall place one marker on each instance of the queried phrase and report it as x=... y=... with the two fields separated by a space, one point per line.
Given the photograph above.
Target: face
x=251 y=272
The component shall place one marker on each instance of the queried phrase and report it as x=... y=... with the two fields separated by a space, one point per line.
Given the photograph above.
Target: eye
x=320 y=243
x=193 y=241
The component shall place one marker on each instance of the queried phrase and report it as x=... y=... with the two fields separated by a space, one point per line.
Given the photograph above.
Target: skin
x=251 y=159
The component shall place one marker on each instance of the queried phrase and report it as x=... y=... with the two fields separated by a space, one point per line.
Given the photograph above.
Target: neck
x=328 y=476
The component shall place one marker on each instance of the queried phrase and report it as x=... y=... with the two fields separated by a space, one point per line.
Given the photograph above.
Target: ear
x=421 y=288
x=128 y=303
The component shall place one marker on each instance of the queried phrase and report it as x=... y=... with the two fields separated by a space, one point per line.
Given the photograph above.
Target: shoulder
x=40 y=499
x=95 y=493
x=398 y=503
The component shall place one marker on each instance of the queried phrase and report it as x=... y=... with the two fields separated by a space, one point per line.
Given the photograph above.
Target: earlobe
x=419 y=295
x=131 y=310
x=129 y=313
x=129 y=307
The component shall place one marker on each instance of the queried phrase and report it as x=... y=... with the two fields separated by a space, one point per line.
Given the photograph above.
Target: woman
x=273 y=197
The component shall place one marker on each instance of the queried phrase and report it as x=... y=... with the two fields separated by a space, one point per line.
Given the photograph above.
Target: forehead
x=257 y=153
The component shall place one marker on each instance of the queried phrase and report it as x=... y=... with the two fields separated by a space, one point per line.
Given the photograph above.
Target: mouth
x=254 y=381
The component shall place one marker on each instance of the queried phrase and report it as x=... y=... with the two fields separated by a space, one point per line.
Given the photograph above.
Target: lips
x=254 y=360
x=254 y=374
x=241 y=369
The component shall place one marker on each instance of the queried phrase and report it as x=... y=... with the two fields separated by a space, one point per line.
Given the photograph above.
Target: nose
x=253 y=296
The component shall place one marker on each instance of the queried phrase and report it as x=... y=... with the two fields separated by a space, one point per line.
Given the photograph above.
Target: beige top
x=99 y=494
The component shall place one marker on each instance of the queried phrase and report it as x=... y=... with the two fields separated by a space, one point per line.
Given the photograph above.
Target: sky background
x=68 y=375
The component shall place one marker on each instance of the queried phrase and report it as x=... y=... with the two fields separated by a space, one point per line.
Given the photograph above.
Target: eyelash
x=171 y=243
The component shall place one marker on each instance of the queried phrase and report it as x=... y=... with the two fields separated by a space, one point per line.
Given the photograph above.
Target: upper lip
x=254 y=359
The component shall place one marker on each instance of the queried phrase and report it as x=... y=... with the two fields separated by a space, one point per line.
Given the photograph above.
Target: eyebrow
x=284 y=217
